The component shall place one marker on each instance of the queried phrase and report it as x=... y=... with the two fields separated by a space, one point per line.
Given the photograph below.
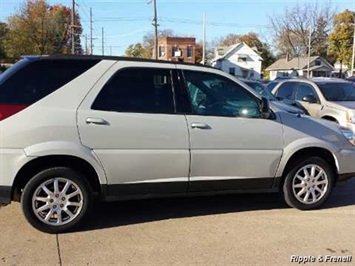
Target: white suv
x=78 y=128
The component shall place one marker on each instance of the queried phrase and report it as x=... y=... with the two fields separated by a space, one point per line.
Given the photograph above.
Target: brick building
x=177 y=49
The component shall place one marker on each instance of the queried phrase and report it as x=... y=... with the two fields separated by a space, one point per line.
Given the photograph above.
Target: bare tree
x=291 y=30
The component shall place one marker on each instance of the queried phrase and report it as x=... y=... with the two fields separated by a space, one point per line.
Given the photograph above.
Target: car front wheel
x=56 y=200
x=308 y=184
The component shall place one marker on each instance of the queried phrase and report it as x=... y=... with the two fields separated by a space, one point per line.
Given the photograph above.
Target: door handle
x=96 y=121
x=200 y=125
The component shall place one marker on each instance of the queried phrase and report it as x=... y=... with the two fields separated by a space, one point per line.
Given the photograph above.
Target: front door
x=130 y=122
x=306 y=90
x=232 y=147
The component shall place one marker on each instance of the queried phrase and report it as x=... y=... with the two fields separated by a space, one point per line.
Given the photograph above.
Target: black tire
x=62 y=215
x=294 y=188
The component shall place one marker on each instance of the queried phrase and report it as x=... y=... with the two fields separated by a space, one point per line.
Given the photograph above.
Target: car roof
x=329 y=80
x=104 y=57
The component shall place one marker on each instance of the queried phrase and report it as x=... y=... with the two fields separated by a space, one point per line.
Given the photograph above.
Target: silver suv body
x=75 y=129
x=327 y=98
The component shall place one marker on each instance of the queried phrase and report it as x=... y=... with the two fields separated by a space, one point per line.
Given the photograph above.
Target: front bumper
x=5 y=195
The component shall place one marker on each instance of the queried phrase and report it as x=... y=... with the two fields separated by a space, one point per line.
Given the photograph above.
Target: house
x=319 y=67
x=238 y=60
x=340 y=67
x=177 y=49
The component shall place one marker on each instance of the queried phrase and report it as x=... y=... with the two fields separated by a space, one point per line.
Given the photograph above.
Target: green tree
x=341 y=38
x=3 y=33
x=135 y=50
x=39 y=28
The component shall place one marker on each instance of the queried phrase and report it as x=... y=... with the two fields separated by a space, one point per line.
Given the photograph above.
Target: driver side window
x=214 y=95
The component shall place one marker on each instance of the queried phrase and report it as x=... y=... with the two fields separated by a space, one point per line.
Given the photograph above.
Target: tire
x=56 y=200
x=317 y=184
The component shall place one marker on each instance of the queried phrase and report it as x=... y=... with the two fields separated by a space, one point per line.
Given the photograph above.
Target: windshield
x=338 y=91
x=259 y=88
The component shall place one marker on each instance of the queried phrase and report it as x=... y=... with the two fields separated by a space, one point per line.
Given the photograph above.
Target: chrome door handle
x=200 y=125
x=96 y=121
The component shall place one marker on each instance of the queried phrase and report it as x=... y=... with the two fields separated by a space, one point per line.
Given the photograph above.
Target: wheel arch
x=308 y=152
x=38 y=164
x=330 y=118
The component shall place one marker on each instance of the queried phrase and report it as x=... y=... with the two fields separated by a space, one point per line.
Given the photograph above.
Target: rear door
x=131 y=122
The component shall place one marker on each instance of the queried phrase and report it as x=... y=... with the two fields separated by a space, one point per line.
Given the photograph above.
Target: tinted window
x=33 y=81
x=137 y=90
x=215 y=95
x=286 y=89
x=338 y=91
x=271 y=85
x=259 y=88
x=305 y=90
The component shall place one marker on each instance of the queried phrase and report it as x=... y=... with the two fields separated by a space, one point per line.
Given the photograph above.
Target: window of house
x=318 y=62
x=161 y=51
x=137 y=90
x=232 y=71
x=242 y=58
x=189 y=51
x=173 y=50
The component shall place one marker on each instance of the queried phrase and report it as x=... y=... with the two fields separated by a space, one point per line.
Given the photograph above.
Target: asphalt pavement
x=244 y=229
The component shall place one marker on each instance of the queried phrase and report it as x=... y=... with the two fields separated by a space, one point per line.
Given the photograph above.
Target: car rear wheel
x=308 y=184
x=56 y=200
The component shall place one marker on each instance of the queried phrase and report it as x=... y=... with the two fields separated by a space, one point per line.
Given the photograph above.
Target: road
x=235 y=229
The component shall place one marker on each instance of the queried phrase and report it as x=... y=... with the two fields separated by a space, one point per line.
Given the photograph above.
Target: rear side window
x=286 y=90
x=138 y=90
x=40 y=78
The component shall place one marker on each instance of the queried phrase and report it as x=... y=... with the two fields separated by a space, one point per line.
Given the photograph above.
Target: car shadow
x=114 y=214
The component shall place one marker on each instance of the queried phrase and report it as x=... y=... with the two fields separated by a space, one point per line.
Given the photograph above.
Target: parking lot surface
x=235 y=229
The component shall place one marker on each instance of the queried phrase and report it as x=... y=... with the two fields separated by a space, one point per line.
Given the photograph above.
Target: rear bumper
x=5 y=195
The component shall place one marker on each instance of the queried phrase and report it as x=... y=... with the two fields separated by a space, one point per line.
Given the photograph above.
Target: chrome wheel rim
x=310 y=184
x=57 y=201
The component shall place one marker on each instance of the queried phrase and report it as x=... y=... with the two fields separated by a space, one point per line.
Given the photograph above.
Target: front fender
x=305 y=143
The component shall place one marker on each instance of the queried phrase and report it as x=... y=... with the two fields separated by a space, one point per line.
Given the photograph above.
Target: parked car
x=328 y=98
x=259 y=88
x=80 y=128
x=272 y=84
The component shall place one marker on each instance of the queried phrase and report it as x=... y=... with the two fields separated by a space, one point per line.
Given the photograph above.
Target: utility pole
x=86 y=44
x=309 y=51
x=103 y=41
x=73 y=27
x=91 y=45
x=155 y=24
x=352 y=58
x=204 y=39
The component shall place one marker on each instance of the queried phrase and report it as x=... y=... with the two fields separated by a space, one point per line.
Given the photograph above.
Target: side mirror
x=309 y=98
x=265 y=108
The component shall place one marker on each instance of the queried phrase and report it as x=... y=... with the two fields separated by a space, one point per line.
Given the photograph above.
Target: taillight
x=7 y=110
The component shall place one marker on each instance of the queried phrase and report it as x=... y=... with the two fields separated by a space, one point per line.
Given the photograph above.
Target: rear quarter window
x=37 y=79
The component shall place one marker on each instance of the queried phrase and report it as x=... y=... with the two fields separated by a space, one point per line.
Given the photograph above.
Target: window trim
x=173 y=86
